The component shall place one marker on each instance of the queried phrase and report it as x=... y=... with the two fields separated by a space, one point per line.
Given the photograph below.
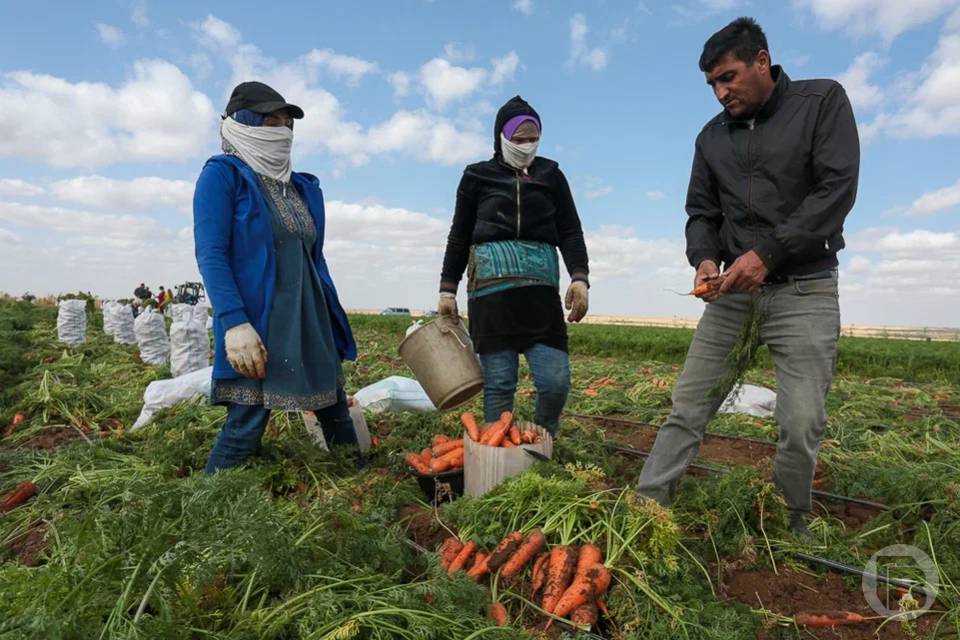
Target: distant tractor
x=190 y=293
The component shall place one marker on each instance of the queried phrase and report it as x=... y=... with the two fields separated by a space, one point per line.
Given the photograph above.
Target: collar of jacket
x=780 y=86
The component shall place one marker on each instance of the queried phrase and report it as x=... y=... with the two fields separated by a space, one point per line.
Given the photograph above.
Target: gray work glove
x=576 y=300
x=245 y=351
x=447 y=306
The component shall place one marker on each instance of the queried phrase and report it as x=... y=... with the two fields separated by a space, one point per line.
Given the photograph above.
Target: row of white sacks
x=187 y=348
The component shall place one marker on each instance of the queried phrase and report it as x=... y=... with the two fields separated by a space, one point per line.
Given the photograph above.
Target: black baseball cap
x=259 y=98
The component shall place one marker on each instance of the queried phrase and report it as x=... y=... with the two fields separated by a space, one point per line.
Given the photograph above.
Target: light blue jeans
x=551 y=377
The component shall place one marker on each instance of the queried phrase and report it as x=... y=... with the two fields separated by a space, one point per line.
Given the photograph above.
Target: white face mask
x=265 y=149
x=518 y=156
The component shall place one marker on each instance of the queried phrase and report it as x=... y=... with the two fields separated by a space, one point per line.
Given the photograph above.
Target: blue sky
x=110 y=108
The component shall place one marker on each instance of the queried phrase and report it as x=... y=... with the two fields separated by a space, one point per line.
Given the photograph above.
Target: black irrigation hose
x=909 y=585
x=711 y=469
x=637 y=423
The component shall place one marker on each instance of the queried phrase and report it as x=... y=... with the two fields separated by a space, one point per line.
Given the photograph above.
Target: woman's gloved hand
x=447 y=306
x=245 y=351
x=576 y=300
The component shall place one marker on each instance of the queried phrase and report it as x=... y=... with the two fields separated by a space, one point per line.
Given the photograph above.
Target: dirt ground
x=791 y=592
x=27 y=548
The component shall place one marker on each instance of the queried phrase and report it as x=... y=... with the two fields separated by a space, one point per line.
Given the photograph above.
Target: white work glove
x=576 y=300
x=245 y=351
x=447 y=306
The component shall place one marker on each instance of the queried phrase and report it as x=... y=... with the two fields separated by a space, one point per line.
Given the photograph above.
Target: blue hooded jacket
x=233 y=237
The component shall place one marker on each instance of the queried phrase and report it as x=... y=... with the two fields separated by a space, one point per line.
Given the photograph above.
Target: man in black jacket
x=774 y=177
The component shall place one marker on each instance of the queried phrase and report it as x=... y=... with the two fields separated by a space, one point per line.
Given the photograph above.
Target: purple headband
x=514 y=123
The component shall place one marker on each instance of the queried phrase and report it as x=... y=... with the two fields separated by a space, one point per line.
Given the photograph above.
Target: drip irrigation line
x=909 y=585
x=711 y=469
x=637 y=423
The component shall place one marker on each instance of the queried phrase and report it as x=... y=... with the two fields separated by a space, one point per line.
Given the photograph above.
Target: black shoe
x=798 y=524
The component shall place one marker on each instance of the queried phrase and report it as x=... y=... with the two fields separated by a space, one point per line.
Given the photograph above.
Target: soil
x=422 y=527
x=791 y=592
x=28 y=547
x=725 y=451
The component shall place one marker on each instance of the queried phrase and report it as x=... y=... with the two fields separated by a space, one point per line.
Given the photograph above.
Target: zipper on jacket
x=518 y=205
x=756 y=220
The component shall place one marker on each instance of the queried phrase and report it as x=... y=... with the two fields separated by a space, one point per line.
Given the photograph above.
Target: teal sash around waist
x=508 y=264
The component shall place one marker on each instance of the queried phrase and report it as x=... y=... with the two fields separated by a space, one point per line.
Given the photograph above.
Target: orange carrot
x=585 y=614
x=529 y=435
x=470 y=423
x=507 y=444
x=524 y=554
x=498 y=613
x=449 y=549
x=538 y=574
x=504 y=550
x=514 y=434
x=450 y=460
x=446 y=447
x=439 y=439
x=18 y=418
x=496 y=435
x=585 y=587
x=23 y=492
x=589 y=555
x=417 y=463
x=462 y=557
x=426 y=455
x=602 y=605
x=563 y=560
x=825 y=619
x=479 y=568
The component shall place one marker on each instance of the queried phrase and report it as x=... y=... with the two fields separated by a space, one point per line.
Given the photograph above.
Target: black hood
x=515 y=106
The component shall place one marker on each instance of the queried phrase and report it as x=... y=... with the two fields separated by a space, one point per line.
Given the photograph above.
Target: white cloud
x=16 y=188
x=887 y=18
x=354 y=69
x=219 y=33
x=655 y=195
x=138 y=14
x=599 y=192
x=155 y=115
x=617 y=252
x=458 y=52
x=427 y=136
x=504 y=68
x=523 y=6
x=400 y=81
x=138 y=194
x=446 y=83
x=8 y=237
x=856 y=81
x=938 y=200
x=110 y=35
x=719 y=5
x=930 y=104
x=580 y=51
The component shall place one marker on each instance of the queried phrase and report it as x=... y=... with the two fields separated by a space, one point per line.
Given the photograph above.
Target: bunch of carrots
x=501 y=433
x=445 y=455
x=569 y=582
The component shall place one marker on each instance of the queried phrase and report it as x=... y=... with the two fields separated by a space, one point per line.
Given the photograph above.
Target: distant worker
x=280 y=333
x=142 y=292
x=774 y=177
x=513 y=212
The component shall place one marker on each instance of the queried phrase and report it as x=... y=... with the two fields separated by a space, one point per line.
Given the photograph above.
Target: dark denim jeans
x=240 y=436
x=551 y=377
x=800 y=326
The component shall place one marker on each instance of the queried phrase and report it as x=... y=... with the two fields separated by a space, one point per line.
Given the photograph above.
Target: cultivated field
x=127 y=539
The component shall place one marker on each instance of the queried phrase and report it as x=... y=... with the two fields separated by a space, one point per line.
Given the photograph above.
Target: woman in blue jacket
x=280 y=332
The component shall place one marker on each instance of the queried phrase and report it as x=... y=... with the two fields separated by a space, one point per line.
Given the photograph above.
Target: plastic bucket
x=441 y=357
x=485 y=467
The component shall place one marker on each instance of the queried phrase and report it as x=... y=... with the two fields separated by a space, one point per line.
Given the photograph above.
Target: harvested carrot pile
x=444 y=455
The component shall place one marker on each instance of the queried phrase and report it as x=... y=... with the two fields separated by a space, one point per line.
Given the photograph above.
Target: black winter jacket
x=782 y=186
x=497 y=202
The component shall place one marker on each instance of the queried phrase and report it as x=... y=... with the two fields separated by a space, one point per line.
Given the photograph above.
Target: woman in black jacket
x=513 y=212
